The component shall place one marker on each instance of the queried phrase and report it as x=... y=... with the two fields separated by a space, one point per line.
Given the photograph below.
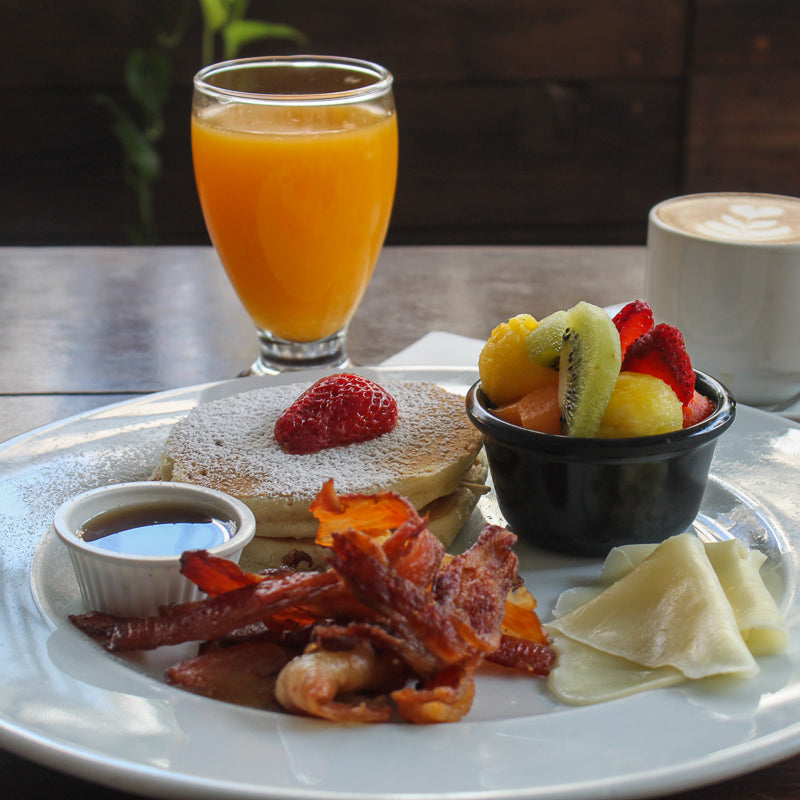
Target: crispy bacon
x=214 y=575
x=211 y=618
x=478 y=581
x=535 y=657
x=260 y=632
x=244 y=674
x=521 y=619
x=445 y=698
x=413 y=553
x=342 y=644
x=433 y=638
x=373 y=514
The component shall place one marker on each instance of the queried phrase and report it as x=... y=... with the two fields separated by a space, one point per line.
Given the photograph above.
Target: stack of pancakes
x=433 y=457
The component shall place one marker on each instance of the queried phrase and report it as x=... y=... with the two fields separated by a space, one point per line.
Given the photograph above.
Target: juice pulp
x=297 y=203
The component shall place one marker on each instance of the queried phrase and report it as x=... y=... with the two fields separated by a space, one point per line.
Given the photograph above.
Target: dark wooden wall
x=552 y=121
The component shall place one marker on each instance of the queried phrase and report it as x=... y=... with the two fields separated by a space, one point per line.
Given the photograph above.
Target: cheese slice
x=738 y=569
x=757 y=614
x=621 y=560
x=585 y=675
x=670 y=610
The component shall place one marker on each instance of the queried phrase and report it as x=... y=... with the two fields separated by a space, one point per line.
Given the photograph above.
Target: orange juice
x=297 y=203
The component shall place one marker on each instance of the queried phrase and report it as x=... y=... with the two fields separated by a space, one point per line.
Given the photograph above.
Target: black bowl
x=584 y=496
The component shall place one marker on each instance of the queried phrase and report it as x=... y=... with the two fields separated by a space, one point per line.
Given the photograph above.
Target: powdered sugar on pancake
x=229 y=444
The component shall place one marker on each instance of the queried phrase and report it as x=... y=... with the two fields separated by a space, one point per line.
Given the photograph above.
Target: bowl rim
x=581 y=447
x=134 y=493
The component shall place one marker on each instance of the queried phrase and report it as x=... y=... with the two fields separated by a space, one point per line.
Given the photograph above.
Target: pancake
x=446 y=516
x=228 y=445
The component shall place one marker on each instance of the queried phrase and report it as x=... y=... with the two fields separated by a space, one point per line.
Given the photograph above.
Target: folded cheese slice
x=585 y=675
x=738 y=569
x=670 y=611
x=757 y=614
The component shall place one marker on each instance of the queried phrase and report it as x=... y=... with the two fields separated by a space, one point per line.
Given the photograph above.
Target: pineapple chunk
x=640 y=405
x=505 y=367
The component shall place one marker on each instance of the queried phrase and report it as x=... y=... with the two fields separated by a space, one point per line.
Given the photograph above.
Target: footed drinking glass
x=295 y=159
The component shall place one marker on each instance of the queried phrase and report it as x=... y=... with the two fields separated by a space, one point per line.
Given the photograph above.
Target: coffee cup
x=724 y=268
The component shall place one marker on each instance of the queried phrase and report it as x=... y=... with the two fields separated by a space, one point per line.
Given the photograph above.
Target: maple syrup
x=156 y=529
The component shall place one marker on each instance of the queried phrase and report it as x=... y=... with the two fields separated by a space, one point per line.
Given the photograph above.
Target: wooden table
x=84 y=327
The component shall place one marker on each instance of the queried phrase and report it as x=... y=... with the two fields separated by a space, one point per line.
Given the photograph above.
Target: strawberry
x=633 y=320
x=337 y=410
x=662 y=352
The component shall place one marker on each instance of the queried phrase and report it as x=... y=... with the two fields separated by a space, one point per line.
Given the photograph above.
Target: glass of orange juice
x=295 y=160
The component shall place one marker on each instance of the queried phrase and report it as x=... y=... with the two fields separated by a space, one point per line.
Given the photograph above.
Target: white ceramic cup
x=724 y=268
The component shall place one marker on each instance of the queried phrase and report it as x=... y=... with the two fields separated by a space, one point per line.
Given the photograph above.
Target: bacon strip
x=375 y=514
x=535 y=657
x=211 y=618
x=446 y=698
x=429 y=635
x=414 y=553
x=214 y=575
x=521 y=619
x=478 y=581
x=244 y=674
x=439 y=628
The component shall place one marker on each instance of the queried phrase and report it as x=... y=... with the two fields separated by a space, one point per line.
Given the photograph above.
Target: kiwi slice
x=588 y=368
x=544 y=341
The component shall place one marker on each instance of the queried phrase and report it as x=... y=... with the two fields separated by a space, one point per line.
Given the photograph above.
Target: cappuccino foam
x=743 y=217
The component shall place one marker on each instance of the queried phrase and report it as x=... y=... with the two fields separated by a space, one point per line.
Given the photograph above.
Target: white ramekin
x=135 y=585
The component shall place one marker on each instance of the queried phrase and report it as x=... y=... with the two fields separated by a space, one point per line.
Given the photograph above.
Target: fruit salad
x=581 y=373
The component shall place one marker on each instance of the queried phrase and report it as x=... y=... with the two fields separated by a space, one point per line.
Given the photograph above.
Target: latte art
x=738 y=217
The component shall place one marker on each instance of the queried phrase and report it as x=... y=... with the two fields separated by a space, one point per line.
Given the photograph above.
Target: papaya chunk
x=538 y=410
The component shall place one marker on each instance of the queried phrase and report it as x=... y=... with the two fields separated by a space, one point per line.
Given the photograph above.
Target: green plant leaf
x=238 y=33
x=144 y=158
x=215 y=13
x=148 y=76
x=171 y=31
x=237 y=9
x=138 y=151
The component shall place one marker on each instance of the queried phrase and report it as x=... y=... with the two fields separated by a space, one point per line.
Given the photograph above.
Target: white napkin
x=439 y=348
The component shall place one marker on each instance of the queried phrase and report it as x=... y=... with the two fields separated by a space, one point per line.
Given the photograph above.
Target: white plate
x=68 y=704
